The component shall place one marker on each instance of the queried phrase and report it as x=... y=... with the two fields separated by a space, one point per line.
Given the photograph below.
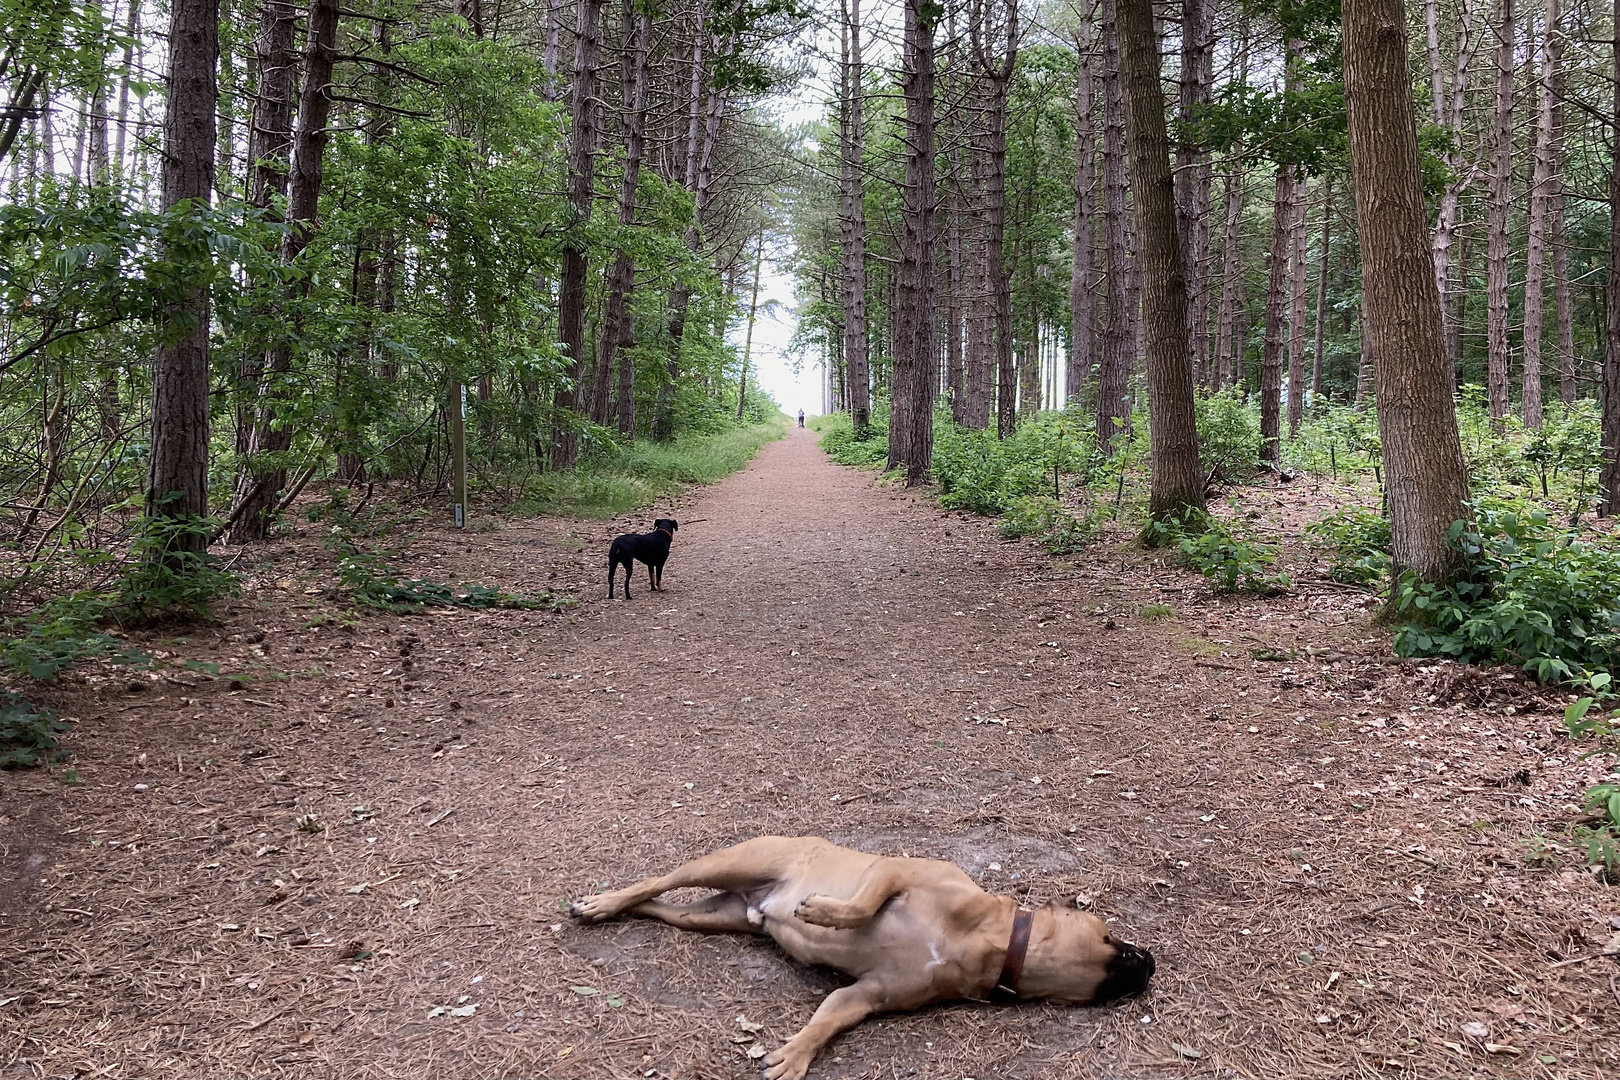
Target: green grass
x=621 y=480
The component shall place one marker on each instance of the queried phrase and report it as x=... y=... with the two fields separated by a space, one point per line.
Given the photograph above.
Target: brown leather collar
x=666 y=532
x=1017 y=946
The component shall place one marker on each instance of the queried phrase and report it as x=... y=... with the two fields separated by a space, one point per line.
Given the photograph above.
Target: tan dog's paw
x=820 y=910
x=787 y=1062
x=594 y=908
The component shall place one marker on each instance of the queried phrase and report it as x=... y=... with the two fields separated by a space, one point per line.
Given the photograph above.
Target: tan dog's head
x=1073 y=959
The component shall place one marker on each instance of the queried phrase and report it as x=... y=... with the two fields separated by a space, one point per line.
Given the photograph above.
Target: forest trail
x=1325 y=859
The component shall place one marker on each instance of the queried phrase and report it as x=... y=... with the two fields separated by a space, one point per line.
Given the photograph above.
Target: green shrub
x=1360 y=539
x=1530 y=594
x=1228 y=434
x=168 y=579
x=842 y=443
x=1230 y=562
x=27 y=733
x=1603 y=800
x=979 y=472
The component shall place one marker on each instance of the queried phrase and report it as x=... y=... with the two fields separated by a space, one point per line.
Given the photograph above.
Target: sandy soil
x=347 y=853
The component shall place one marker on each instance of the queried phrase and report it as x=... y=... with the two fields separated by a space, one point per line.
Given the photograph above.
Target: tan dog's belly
x=910 y=931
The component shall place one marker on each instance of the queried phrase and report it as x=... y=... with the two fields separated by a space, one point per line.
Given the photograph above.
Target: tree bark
x=852 y=219
x=1228 y=366
x=1271 y=360
x=259 y=485
x=911 y=420
x=1499 y=346
x=997 y=80
x=1296 y=307
x=1193 y=176
x=1321 y=287
x=1449 y=100
x=618 y=326
x=1176 y=483
x=177 y=483
x=1563 y=319
x=1083 y=270
x=1609 y=481
x=1119 y=344
x=1425 y=478
x=1541 y=185
x=571 y=294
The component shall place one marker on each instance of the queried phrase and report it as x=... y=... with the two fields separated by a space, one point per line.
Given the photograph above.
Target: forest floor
x=1344 y=864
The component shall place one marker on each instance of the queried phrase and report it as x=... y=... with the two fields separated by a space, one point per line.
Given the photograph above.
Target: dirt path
x=1324 y=854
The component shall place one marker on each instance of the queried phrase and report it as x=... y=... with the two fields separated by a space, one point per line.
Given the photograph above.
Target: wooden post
x=458 y=452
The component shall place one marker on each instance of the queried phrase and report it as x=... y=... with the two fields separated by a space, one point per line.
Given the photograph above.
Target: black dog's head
x=668 y=525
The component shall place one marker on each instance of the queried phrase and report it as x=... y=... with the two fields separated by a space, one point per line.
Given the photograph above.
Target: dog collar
x=1017 y=946
x=666 y=532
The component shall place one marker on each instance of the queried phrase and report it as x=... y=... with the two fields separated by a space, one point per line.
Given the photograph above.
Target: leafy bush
x=979 y=472
x=1530 y=594
x=1232 y=563
x=169 y=580
x=1603 y=800
x=1228 y=434
x=61 y=633
x=1360 y=538
x=847 y=447
x=27 y=733
x=1044 y=516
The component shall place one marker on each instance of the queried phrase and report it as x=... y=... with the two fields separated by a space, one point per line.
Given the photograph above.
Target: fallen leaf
x=586 y=991
x=565 y=1051
x=615 y=1001
x=356 y=890
x=1611 y=947
x=1186 y=1051
x=436 y=1012
x=1476 y=1030
x=756 y=1051
x=1502 y=1048
x=465 y=1010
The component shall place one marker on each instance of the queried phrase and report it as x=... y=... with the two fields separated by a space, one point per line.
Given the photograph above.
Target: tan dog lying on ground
x=911 y=932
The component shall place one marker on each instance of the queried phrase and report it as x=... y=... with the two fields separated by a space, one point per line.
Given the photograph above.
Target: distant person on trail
x=801 y=418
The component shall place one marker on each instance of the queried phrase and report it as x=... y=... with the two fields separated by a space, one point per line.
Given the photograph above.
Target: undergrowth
x=1531 y=593
x=612 y=479
x=1231 y=562
x=28 y=733
x=367 y=579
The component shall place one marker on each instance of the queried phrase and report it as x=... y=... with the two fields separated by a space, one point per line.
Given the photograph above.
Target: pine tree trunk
x=571 y=294
x=1193 y=176
x=1176 y=483
x=911 y=420
x=979 y=371
x=1271 y=361
x=618 y=327
x=997 y=79
x=1119 y=343
x=1449 y=100
x=1083 y=269
x=1228 y=366
x=1609 y=481
x=1536 y=232
x=269 y=161
x=1321 y=288
x=259 y=485
x=177 y=483
x=1563 y=319
x=852 y=220
x=1296 y=307
x=1499 y=346
x=1425 y=479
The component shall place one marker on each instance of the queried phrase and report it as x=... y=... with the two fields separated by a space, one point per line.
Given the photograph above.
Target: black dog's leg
x=658 y=572
x=629 y=572
x=613 y=567
x=652 y=577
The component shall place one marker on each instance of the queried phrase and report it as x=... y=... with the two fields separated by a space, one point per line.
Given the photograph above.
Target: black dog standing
x=650 y=548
